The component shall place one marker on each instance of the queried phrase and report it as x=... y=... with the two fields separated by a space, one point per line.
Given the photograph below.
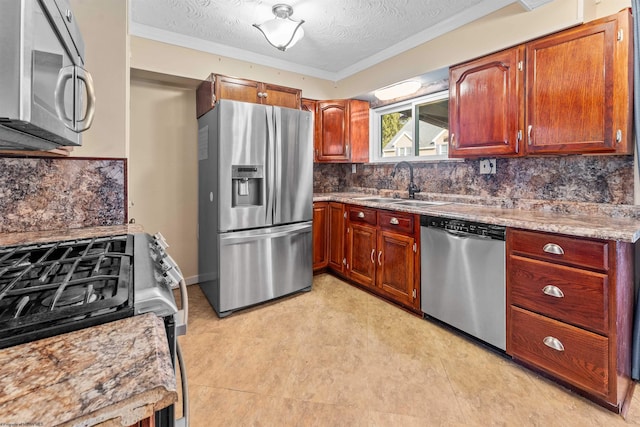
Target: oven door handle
x=184 y=421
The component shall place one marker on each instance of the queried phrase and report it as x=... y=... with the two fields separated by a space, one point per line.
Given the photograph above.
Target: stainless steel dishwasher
x=463 y=276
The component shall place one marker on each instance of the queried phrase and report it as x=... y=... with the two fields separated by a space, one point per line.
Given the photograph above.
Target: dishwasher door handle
x=464 y=235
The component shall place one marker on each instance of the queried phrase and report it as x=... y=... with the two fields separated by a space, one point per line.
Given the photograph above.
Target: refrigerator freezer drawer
x=263 y=264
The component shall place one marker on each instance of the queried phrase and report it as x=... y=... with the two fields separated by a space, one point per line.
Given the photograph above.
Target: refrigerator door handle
x=270 y=167
x=239 y=237
x=277 y=163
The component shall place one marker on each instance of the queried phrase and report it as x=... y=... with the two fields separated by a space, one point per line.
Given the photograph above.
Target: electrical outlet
x=353 y=168
x=487 y=166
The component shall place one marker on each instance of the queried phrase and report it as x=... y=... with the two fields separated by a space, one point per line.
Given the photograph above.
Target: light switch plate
x=487 y=166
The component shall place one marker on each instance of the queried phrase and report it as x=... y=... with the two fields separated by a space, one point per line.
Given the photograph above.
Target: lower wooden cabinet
x=361 y=262
x=337 y=261
x=569 y=312
x=396 y=275
x=320 y=236
x=382 y=253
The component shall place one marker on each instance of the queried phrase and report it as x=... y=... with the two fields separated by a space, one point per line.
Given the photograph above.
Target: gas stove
x=51 y=288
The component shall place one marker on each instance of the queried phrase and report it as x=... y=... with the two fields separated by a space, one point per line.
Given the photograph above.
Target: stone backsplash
x=587 y=179
x=38 y=194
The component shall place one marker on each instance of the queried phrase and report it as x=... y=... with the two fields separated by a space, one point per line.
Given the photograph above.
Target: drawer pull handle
x=553 y=291
x=379 y=255
x=394 y=221
x=360 y=214
x=373 y=251
x=552 y=248
x=553 y=343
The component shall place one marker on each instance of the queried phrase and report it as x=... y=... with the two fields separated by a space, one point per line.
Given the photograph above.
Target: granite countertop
x=585 y=220
x=10 y=239
x=115 y=373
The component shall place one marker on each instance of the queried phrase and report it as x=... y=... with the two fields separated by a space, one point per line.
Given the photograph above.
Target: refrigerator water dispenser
x=246 y=185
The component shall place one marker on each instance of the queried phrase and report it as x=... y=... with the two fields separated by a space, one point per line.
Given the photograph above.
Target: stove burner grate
x=46 y=285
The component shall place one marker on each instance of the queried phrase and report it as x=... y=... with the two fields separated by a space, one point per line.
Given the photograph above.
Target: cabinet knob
x=553 y=343
x=553 y=291
x=552 y=248
x=360 y=214
x=394 y=221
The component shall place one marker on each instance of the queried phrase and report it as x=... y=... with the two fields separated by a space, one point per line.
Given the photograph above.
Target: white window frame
x=375 y=119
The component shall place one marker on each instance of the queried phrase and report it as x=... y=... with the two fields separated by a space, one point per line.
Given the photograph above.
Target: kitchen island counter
x=609 y=222
x=116 y=373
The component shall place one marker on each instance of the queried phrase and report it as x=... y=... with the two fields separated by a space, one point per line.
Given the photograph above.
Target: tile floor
x=338 y=356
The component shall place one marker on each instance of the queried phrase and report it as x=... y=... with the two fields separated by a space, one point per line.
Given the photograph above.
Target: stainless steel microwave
x=46 y=96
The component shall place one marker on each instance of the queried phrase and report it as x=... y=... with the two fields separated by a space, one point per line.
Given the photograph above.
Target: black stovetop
x=51 y=288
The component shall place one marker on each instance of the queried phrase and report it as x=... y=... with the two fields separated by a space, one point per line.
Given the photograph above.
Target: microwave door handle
x=65 y=74
x=85 y=122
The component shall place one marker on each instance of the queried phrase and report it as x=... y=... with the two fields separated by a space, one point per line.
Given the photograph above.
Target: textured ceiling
x=342 y=37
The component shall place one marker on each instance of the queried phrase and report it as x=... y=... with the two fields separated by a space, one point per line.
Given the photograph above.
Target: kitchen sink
x=419 y=203
x=379 y=199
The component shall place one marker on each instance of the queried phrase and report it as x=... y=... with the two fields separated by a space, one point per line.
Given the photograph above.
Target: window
x=394 y=129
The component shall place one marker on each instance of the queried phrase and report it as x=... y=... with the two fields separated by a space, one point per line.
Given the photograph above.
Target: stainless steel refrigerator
x=255 y=203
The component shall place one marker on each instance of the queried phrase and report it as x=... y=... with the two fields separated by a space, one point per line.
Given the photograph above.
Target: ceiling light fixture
x=397 y=90
x=282 y=32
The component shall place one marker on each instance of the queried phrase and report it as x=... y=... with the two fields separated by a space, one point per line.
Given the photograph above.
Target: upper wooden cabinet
x=486 y=105
x=342 y=131
x=567 y=93
x=222 y=87
x=308 y=105
x=578 y=89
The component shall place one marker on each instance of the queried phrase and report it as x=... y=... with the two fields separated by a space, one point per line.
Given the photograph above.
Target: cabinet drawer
x=563 y=249
x=564 y=293
x=396 y=221
x=362 y=215
x=582 y=360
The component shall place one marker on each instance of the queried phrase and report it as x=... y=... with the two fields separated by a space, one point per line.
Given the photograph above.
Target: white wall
x=104 y=28
x=163 y=182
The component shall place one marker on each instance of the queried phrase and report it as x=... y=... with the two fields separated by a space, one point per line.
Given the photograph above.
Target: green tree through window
x=392 y=123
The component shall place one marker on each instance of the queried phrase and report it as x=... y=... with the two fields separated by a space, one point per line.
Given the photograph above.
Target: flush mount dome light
x=282 y=32
x=397 y=90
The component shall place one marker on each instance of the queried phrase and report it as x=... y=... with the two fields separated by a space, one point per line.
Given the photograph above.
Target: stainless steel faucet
x=413 y=188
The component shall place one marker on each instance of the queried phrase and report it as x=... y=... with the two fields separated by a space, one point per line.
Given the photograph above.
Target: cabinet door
x=396 y=267
x=333 y=131
x=280 y=96
x=320 y=235
x=336 y=237
x=237 y=89
x=361 y=261
x=358 y=113
x=571 y=90
x=486 y=105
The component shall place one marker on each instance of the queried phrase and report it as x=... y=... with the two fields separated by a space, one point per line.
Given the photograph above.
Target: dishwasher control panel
x=462 y=226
